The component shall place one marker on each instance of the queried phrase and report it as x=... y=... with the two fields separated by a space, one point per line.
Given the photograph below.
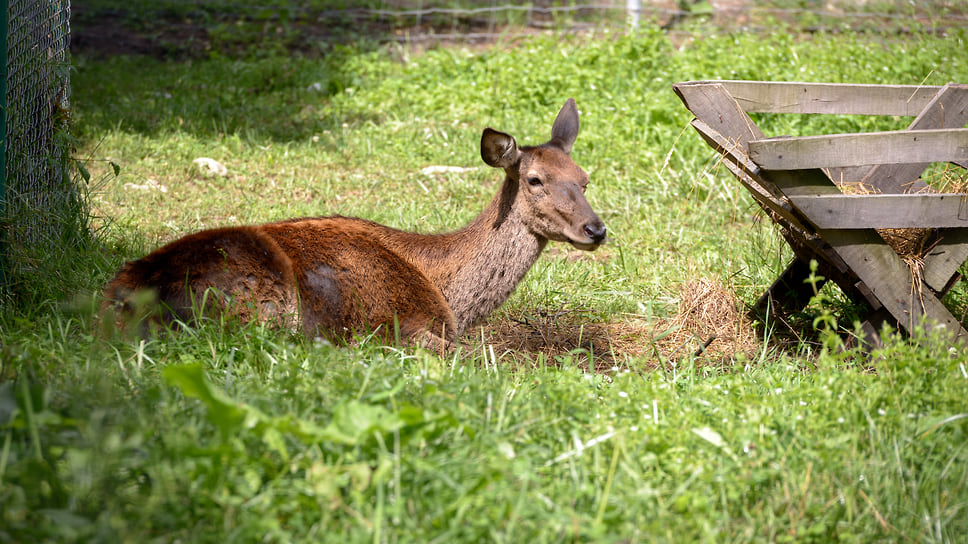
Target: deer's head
x=548 y=187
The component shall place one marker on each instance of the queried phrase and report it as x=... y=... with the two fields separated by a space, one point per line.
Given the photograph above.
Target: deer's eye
x=534 y=181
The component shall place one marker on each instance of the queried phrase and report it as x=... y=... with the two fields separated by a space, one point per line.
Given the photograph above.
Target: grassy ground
x=246 y=433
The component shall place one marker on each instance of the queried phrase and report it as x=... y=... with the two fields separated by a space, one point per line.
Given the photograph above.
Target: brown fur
x=341 y=276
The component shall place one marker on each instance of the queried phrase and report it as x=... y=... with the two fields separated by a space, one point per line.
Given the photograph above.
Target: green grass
x=226 y=433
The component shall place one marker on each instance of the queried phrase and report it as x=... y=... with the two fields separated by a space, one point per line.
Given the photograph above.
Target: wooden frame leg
x=889 y=279
x=871 y=329
x=790 y=292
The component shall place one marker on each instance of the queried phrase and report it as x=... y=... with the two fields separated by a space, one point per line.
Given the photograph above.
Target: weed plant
x=223 y=432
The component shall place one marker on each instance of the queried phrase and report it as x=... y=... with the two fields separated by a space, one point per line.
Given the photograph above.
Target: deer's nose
x=595 y=230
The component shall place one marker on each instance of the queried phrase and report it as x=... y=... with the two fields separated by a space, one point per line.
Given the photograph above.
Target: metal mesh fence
x=195 y=27
x=38 y=197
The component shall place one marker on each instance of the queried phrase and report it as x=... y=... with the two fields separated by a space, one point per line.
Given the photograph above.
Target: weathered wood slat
x=748 y=172
x=804 y=245
x=713 y=105
x=828 y=98
x=944 y=259
x=794 y=183
x=885 y=281
x=876 y=264
x=872 y=326
x=948 y=109
x=884 y=211
x=895 y=147
x=811 y=183
x=768 y=202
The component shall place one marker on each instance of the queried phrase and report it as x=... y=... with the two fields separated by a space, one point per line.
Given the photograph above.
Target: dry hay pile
x=709 y=325
x=555 y=333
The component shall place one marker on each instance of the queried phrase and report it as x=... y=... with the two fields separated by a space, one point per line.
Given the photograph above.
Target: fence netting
x=191 y=27
x=38 y=196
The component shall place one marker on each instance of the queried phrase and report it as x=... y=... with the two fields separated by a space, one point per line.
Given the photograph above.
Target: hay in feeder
x=909 y=244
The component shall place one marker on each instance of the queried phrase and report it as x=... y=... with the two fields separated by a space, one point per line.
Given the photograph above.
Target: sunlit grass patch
x=619 y=395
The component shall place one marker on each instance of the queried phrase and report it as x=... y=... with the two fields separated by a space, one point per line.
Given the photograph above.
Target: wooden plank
x=713 y=105
x=826 y=98
x=949 y=109
x=744 y=169
x=873 y=302
x=706 y=102
x=790 y=292
x=889 y=278
x=851 y=253
x=764 y=192
x=884 y=211
x=834 y=150
x=806 y=243
x=794 y=183
x=871 y=329
x=943 y=260
x=768 y=202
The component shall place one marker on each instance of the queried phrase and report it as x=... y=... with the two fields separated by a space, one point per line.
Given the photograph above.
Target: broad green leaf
x=83 y=171
x=225 y=414
x=354 y=421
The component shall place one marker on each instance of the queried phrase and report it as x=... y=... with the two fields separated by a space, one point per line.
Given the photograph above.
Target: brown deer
x=341 y=276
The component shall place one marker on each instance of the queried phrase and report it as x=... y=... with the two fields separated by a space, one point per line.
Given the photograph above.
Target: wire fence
x=633 y=14
x=184 y=26
x=35 y=188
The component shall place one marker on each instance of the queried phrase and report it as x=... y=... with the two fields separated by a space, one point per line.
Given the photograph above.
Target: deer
x=342 y=277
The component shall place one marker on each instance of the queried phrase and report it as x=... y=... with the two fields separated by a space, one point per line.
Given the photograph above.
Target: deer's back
x=331 y=275
x=347 y=277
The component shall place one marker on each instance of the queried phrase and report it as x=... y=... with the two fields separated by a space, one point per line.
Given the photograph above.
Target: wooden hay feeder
x=799 y=182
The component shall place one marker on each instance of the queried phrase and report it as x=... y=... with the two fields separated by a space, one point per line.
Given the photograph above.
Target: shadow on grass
x=277 y=97
x=266 y=71
x=263 y=72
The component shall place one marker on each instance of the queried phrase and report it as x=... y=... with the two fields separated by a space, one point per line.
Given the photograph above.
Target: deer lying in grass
x=340 y=276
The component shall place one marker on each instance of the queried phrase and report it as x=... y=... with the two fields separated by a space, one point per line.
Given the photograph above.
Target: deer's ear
x=498 y=149
x=565 y=130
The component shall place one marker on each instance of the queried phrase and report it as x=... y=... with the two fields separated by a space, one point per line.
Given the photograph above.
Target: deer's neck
x=478 y=267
